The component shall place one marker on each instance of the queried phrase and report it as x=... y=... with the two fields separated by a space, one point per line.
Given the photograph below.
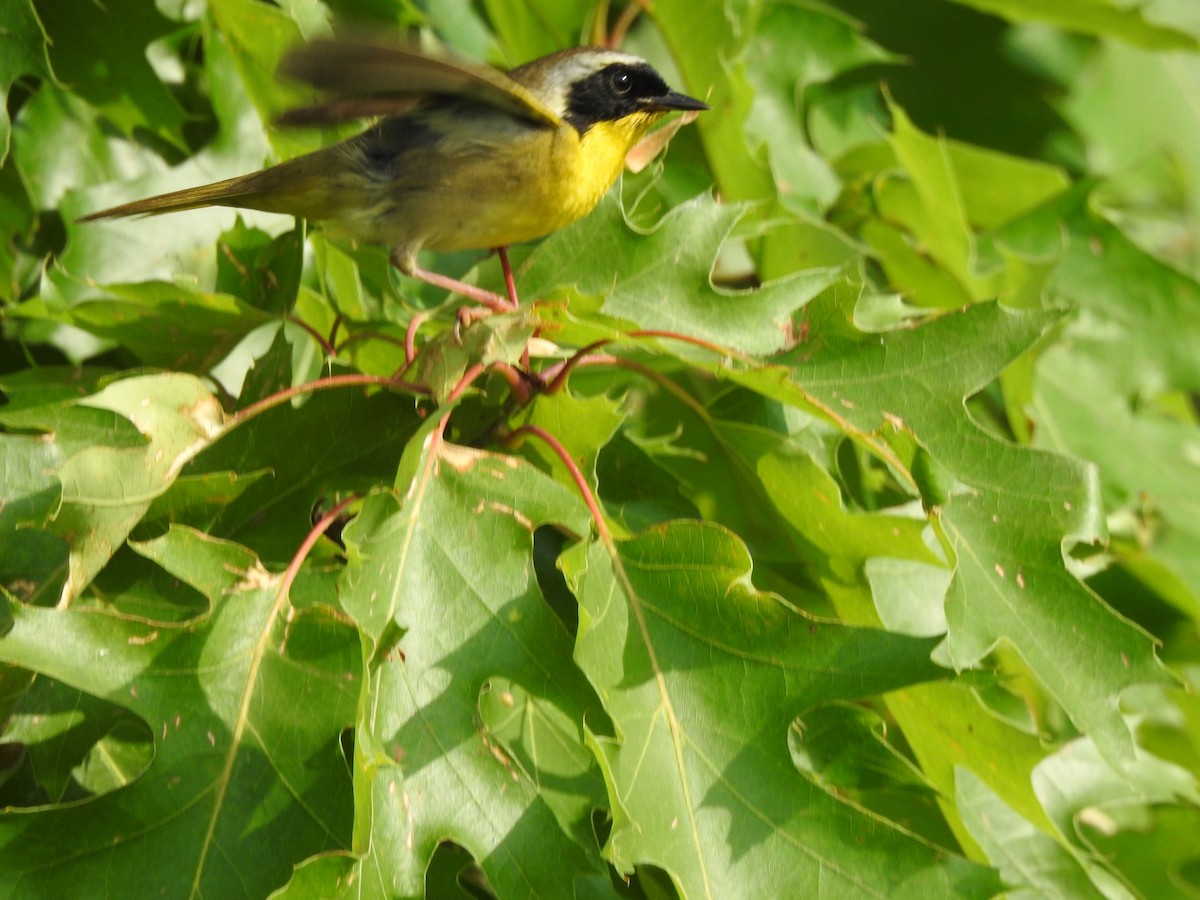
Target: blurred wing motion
x=362 y=77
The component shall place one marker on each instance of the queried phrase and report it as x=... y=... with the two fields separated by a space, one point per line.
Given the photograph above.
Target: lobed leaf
x=702 y=676
x=239 y=788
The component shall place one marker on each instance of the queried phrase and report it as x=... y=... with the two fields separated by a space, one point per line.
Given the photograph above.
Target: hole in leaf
x=651 y=881
x=548 y=543
x=453 y=873
x=866 y=483
x=601 y=825
x=334 y=532
x=76 y=746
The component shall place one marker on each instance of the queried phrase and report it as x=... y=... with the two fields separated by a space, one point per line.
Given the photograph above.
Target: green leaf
x=934 y=211
x=173 y=246
x=807 y=458
x=583 y=425
x=1025 y=856
x=256 y=36
x=1088 y=397
x=24 y=54
x=67 y=734
x=778 y=498
x=203 y=327
x=269 y=373
x=239 y=788
x=338 y=442
x=1099 y=262
x=533 y=29
x=427 y=767
x=845 y=749
x=708 y=46
x=794 y=48
x=1007 y=514
x=951 y=731
x=1132 y=108
x=674 y=638
x=123 y=448
x=65 y=146
x=1096 y=17
x=1152 y=848
x=661 y=280
x=1144 y=456
x=263 y=270
x=108 y=67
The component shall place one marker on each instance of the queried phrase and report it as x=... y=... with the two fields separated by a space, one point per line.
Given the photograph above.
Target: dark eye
x=621 y=82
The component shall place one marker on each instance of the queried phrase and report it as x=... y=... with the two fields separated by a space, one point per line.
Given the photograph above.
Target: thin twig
x=314 y=535
x=580 y=482
x=316 y=335
x=321 y=384
x=333 y=329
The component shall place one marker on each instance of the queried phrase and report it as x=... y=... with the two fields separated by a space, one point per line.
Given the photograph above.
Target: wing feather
x=362 y=76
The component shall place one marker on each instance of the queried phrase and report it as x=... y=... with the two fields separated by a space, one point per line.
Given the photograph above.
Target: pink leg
x=494 y=302
x=509 y=284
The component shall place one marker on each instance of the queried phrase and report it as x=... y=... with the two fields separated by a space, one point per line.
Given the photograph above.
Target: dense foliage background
x=897 y=586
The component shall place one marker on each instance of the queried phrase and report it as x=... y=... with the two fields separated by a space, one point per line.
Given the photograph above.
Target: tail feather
x=293 y=188
x=231 y=192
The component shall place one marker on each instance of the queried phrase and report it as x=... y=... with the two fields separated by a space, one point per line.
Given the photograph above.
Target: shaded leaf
x=239 y=789
x=127 y=444
x=263 y=270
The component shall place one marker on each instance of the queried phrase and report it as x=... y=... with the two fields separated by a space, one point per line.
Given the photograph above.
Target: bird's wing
x=364 y=77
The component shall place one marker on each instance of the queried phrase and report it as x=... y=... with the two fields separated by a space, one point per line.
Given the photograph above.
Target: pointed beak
x=671 y=101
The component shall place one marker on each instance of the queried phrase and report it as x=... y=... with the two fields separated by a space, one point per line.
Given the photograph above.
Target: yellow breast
x=602 y=152
x=526 y=187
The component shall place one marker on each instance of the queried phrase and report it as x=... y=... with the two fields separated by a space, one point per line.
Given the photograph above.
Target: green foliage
x=895 y=586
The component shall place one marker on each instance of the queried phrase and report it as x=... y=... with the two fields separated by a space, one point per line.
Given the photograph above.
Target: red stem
x=465 y=382
x=517 y=382
x=580 y=482
x=333 y=329
x=316 y=335
x=557 y=374
x=510 y=283
x=439 y=433
x=321 y=384
x=309 y=542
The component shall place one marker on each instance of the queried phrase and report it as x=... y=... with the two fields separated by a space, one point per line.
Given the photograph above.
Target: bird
x=465 y=156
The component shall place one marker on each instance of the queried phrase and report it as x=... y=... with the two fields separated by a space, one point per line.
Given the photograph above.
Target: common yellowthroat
x=475 y=159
